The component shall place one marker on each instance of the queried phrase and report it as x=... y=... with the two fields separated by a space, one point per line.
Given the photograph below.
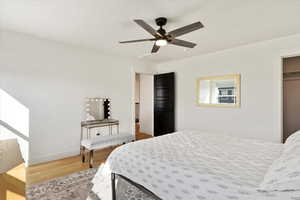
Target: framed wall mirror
x=223 y=91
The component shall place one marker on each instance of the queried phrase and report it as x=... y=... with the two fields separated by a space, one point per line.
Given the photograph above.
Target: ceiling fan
x=162 y=38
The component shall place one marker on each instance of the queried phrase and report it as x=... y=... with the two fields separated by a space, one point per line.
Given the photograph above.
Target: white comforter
x=197 y=166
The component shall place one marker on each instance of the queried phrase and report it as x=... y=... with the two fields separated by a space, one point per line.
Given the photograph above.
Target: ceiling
x=101 y=24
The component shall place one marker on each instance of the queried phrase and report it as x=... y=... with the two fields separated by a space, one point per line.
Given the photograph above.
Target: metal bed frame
x=115 y=176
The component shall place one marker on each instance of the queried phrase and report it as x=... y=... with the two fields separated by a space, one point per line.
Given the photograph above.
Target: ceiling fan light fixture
x=161 y=42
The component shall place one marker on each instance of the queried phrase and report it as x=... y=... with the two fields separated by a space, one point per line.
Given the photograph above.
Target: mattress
x=198 y=165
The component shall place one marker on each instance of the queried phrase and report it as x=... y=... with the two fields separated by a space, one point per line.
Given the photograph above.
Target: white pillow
x=292 y=141
x=284 y=173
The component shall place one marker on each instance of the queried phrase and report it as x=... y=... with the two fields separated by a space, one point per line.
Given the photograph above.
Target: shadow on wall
x=14 y=122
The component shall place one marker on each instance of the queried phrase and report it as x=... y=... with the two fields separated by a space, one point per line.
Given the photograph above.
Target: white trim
x=137 y=70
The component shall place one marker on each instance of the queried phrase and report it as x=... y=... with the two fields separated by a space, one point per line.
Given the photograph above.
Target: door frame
x=151 y=111
x=289 y=54
x=137 y=70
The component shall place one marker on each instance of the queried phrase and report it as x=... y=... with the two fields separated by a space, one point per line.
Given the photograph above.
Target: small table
x=98 y=123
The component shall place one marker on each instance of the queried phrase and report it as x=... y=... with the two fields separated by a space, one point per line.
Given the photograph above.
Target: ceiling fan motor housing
x=161 y=21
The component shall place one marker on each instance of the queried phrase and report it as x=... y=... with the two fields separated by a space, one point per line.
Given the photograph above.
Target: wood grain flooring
x=46 y=171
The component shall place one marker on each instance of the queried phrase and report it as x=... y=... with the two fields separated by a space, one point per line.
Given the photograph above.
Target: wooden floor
x=54 y=169
x=12 y=184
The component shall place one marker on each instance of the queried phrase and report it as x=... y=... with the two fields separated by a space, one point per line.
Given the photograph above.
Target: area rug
x=79 y=186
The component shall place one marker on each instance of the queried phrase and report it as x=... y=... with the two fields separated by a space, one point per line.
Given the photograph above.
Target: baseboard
x=52 y=157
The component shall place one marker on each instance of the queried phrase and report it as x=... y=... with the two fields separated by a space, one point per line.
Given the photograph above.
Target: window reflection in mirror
x=219 y=91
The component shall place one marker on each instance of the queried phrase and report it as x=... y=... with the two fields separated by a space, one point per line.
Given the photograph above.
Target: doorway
x=154 y=104
x=144 y=105
x=291 y=96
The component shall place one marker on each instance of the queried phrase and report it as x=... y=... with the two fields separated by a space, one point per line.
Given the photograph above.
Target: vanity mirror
x=219 y=91
x=97 y=109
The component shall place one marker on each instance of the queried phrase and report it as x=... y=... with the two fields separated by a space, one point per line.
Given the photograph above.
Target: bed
x=196 y=165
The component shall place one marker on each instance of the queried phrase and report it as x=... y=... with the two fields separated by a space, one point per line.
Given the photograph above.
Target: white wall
x=52 y=80
x=146 y=103
x=260 y=67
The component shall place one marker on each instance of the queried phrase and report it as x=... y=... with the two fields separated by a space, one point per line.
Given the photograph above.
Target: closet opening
x=291 y=96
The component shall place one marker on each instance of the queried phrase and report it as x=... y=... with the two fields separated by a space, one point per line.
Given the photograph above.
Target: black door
x=164 y=104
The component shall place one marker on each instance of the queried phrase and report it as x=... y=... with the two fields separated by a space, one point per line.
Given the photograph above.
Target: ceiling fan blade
x=183 y=43
x=155 y=48
x=147 y=27
x=133 y=41
x=186 y=29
